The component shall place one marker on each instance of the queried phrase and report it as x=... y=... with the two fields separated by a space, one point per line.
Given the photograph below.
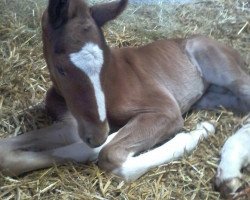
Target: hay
x=24 y=80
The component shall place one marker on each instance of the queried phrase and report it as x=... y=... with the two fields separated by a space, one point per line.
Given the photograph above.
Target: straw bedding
x=24 y=80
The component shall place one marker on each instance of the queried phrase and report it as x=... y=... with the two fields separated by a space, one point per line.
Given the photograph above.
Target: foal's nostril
x=92 y=143
x=88 y=140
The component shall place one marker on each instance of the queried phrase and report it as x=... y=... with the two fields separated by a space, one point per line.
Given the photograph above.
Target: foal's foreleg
x=57 y=144
x=140 y=134
x=136 y=166
x=55 y=105
x=40 y=148
x=28 y=151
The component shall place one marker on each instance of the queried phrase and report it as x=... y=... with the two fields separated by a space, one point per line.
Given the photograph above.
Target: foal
x=141 y=93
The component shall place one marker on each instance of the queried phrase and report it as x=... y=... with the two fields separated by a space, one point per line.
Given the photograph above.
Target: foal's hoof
x=232 y=188
x=209 y=126
x=8 y=164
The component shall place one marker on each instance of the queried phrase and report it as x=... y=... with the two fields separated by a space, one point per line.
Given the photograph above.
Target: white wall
x=157 y=1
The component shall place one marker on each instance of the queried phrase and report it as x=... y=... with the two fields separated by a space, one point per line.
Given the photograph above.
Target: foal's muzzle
x=93 y=143
x=93 y=135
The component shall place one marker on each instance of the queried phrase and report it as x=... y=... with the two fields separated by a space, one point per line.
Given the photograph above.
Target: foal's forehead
x=77 y=36
x=77 y=6
x=88 y=59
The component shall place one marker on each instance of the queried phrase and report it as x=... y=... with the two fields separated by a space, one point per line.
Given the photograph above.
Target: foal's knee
x=241 y=89
x=55 y=104
x=112 y=157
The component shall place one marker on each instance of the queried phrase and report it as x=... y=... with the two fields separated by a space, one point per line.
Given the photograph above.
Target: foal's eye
x=61 y=71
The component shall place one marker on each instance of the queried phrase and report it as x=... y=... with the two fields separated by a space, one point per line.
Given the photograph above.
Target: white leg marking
x=90 y=60
x=110 y=138
x=235 y=155
x=134 y=167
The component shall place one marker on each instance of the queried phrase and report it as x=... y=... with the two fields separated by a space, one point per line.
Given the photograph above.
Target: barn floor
x=24 y=80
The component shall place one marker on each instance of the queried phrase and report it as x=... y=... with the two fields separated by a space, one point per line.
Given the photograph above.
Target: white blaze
x=90 y=60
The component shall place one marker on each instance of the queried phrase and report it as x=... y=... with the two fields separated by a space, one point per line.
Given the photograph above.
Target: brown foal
x=140 y=92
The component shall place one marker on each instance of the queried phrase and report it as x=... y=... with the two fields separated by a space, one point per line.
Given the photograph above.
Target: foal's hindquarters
x=223 y=67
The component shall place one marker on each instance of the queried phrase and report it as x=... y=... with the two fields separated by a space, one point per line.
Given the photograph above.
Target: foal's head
x=76 y=52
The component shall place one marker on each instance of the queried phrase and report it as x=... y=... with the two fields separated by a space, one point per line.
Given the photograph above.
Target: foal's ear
x=58 y=12
x=105 y=12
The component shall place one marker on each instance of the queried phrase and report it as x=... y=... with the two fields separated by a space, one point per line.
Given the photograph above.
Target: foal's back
x=144 y=75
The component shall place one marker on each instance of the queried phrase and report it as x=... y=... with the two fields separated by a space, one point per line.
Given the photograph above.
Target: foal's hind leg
x=235 y=155
x=217 y=96
x=220 y=65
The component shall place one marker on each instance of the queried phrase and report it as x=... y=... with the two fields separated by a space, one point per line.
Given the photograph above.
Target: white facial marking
x=90 y=60
x=182 y=143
